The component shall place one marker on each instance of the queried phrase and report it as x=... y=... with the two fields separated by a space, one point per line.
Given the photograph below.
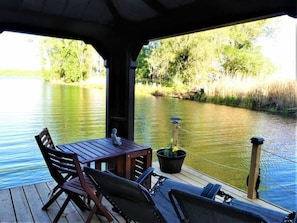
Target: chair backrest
x=131 y=198
x=269 y=214
x=192 y=208
x=62 y=165
x=46 y=139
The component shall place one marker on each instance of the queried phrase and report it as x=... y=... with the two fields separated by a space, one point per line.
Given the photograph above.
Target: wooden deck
x=23 y=204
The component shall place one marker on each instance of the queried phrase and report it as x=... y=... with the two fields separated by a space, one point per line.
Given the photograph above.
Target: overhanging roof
x=111 y=23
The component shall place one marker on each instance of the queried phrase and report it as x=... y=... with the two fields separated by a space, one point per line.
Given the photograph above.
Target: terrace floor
x=23 y=204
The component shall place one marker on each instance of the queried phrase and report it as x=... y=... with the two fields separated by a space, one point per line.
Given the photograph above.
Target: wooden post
x=254 y=166
x=174 y=121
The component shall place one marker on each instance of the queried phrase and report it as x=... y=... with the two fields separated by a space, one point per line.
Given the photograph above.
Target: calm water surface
x=217 y=138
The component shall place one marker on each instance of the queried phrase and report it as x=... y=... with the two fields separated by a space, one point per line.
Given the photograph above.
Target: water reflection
x=217 y=138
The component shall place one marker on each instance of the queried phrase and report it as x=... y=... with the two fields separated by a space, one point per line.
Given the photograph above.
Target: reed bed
x=255 y=93
x=274 y=93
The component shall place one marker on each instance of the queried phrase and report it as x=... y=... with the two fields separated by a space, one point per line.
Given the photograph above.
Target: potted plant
x=171 y=158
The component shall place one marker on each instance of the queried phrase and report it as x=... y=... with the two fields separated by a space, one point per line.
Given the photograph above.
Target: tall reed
x=256 y=93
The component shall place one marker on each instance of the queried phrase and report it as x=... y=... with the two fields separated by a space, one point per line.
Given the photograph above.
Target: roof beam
x=113 y=10
x=156 y=5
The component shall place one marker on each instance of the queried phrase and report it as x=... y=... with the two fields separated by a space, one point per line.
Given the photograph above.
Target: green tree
x=190 y=59
x=159 y=61
x=65 y=59
x=183 y=59
x=143 y=68
x=239 y=53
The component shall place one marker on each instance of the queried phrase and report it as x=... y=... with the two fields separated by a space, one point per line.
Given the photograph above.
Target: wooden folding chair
x=78 y=188
x=44 y=139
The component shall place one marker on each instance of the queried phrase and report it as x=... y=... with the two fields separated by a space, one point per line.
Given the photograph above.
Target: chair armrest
x=144 y=175
x=210 y=191
x=207 y=189
x=214 y=191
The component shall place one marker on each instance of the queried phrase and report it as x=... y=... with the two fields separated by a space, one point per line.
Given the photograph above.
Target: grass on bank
x=21 y=73
x=272 y=94
x=92 y=82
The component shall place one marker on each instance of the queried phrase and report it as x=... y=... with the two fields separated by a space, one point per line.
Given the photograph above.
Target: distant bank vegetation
x=14 y=72
x=222 y=66
x=272 y=95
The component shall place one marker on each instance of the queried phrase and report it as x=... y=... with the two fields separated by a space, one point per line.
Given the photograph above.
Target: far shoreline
x=99 y=82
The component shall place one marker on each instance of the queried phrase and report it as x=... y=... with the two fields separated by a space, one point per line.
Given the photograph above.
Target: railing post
x=254 y=167
x=174 y=121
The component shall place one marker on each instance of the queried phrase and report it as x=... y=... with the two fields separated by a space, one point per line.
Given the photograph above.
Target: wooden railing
x=254 y=176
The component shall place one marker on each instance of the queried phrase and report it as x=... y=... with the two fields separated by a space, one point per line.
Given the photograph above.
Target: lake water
x=216 y=138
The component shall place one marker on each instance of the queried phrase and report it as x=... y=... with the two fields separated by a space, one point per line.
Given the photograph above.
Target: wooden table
x=130 y=158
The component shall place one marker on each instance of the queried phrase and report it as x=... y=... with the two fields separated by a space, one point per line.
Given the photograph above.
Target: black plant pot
x=171 y=164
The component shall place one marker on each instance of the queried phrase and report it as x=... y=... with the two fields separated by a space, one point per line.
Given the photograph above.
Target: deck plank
x=197 y=178
x=43 y=190
x=23 y=204
x=72 y=213
x=7 y=213
x=21 y=207
x=35 y=204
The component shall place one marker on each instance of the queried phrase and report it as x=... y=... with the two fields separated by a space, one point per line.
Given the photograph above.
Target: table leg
x=128 y=166
x=144 y=161
x=120 y=168
x=98 y=165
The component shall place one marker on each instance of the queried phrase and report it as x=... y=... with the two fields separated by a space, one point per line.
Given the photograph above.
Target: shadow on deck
x=23 y=204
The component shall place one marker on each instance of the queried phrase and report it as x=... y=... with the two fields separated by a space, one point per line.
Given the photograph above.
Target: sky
x=20 y=51
x=282 y=48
